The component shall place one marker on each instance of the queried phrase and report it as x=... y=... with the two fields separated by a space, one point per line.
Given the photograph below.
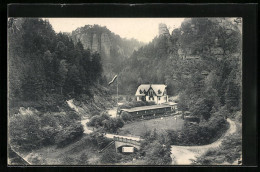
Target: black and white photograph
x=124 y=91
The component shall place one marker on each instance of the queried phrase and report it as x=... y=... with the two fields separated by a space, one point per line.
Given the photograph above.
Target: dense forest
x=43 y=63
x=45 y=69
x=200 y=61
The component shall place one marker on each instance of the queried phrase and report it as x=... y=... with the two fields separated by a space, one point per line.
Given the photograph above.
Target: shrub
x=69 y=160
x=107 y=123
x=198 y=134
x=158 y=154
x=155 y=148
x=49 y=134
x=25 y=132
x=113 y=124
x=69 y=134
x=99 y=140
x=110 y=157
x=229 y=151
x=73 y=115
x=126 y=116
x=84 y=157
x=96 y=121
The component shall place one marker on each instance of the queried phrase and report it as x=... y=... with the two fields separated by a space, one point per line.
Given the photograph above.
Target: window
x=158 y=98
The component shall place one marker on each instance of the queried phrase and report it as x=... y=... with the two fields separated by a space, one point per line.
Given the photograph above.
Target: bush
x=113 y=124
x=110 y=157
x=29 y=130
x=156 y=149
x=96 y=121
x=83 y=160
x=98 y=140
x=158 y=154
x=73 y=115
x=199 y=134
x=230 y=151
x=25 y=132
x=126 y=116
x=69 y=135
x=104 y=121
x=69 y=160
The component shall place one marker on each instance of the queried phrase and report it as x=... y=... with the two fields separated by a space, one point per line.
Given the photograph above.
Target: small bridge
x=121 y=141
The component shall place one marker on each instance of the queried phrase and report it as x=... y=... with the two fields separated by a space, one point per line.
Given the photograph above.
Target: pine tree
x=232 y=96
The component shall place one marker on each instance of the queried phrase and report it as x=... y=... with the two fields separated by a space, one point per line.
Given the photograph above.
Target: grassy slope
x=73 y=154
x=160 y=124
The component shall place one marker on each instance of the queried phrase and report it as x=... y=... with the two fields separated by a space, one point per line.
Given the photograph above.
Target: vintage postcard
x=125 y=91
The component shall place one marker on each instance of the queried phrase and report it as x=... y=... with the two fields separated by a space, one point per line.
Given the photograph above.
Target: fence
x=126 y=140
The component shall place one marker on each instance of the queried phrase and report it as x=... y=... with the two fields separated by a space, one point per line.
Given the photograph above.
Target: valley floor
x=75 y=152
x=162 y=124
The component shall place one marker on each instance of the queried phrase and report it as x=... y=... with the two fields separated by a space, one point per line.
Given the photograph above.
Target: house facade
x=156 y=93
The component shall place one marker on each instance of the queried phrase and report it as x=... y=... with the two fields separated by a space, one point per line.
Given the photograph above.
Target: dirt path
x=84 y=120
x=184 y=155
x=181 y=155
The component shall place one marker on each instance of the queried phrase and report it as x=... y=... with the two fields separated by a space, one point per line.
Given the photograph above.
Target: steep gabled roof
x=155 y=87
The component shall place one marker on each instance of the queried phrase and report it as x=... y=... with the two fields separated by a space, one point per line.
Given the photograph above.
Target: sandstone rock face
x=163 y=30
x=105 y=44
x=95 y=43
x=101 y=40
x=86 y=40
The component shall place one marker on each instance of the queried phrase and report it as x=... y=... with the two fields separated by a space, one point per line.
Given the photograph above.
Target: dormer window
x=159 y=91
x=141 y=92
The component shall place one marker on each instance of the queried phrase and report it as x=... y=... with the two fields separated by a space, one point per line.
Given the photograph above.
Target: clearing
x=160 y=124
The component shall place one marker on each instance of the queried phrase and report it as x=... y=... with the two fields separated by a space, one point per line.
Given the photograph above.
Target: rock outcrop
x=100 y=39
x=105 y=44
x=163 y=30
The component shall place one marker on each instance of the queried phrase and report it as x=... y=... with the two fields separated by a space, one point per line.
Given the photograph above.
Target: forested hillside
x=113 y=49
x=200 y=61
x=45 y=69
x=43 y=64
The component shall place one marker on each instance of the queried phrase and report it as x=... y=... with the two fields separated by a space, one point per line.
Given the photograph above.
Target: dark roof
x=141 y=108
x=155 y=87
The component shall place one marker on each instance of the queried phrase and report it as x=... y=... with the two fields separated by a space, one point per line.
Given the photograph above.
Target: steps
x=107 y=146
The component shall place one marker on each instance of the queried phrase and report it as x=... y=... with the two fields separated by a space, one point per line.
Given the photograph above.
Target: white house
x=152 y=93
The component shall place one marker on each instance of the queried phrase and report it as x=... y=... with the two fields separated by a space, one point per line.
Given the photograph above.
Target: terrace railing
x=127 y=140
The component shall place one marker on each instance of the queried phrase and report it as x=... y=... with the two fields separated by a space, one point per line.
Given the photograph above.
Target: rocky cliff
x=163 y=30
x=102 y=40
